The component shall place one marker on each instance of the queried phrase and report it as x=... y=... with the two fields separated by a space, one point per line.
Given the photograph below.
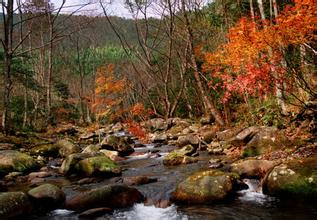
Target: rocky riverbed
x=186 y=171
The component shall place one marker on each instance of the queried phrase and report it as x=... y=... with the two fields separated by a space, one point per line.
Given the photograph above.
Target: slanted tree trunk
x=208 y=105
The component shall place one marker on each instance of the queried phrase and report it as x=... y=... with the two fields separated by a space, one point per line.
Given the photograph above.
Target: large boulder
x=120 y=144
x=14 y=204
x=89 y=165
x=244 y=136
x=204 y=187
x=47 y=197
x=14 y=161
x=112 y=196
x=67 y=147
x=252 y=168
x=266 y=139
x=180 y=156
x=297 y=178
x=99 y=165
x=69 y=163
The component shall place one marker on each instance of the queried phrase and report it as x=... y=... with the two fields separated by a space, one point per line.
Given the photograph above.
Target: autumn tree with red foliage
x=252 y=60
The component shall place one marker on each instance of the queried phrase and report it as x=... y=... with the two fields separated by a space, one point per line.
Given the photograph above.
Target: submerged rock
x=14 y=161
x=138 y=180
x=297 y=178
x=204 y=187
x=93 y=213
x=14 y=204
x=47 y=197
x=112 y=196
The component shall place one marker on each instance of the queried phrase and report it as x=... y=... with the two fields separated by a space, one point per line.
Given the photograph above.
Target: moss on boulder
x=204 y=187
x=15 y=161
x=297 y=178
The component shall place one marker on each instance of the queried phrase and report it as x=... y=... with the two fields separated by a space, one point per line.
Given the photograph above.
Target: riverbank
x=185 y=164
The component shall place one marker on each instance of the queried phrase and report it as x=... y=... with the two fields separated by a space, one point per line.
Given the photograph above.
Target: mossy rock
x=91 y=149
x=69 y=163
x=265 y=140
x=99 y=165
x=67 y=147
x=14 y=161
x=47 y=197
x=14 y=204
x=297 y=178
x=47 y=150
x=204 y=187
x=180 y=156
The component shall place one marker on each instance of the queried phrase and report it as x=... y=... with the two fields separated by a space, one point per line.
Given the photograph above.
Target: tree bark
x=7 y=45
x=209 y=106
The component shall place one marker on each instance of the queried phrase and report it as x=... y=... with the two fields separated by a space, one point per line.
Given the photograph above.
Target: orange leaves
x=138 y=109
x=108 y=90
x=251 y=61
x=136 y=129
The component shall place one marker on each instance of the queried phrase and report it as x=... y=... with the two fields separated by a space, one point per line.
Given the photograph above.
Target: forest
x=184 y=109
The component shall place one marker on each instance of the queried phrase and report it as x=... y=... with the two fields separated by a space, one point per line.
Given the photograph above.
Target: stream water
x=246 y=204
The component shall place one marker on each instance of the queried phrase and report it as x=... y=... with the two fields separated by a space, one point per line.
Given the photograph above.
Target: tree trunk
x=209 y=106
x=50 y=69
x=261 y=8
x=251 y=10
x=7 y=44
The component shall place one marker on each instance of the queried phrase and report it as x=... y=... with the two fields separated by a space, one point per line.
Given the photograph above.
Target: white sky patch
x=113 y=7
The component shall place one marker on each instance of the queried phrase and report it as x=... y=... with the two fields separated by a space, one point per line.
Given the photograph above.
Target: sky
x=115 y=8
